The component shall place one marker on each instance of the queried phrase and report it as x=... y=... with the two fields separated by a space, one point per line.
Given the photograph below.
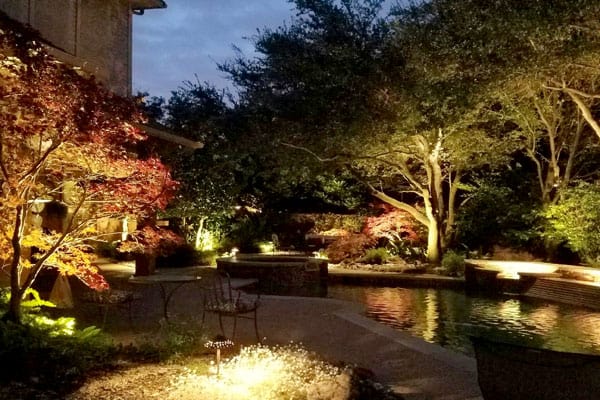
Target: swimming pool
x=447 y=317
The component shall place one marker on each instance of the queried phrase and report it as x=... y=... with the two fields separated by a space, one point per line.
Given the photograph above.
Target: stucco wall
x=92 y=34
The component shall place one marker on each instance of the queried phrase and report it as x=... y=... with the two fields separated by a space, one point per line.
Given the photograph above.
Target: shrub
x=408 y=250
x=376 y=256
x=51 y=351
x=392 y=224
x=343 y=222
x=107 y=249
x=349 y=248
x=183 y=255
x=576 y=220
x=453 y=264
x=245 y=234
x=495 y=214
x=207 y=257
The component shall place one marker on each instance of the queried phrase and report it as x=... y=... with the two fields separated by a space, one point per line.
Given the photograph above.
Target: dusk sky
x=190 y=36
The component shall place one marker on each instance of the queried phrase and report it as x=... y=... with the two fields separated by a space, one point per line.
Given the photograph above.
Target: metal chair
x=225 y=301
x=111 y=298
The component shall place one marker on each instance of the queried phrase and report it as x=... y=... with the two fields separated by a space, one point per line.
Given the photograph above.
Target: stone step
x=560 y=290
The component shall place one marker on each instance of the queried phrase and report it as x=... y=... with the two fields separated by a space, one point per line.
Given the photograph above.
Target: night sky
x=187 y=38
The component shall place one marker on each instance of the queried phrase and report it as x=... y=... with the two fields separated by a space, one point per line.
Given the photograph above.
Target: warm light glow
x=511 y=269
x=206 y=241
x=319 y=254
x=594 y=275
x=431 y=316
x=266 y=247
x=259 y=372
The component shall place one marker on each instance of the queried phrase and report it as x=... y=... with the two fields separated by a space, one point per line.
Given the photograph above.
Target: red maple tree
x=64 y=140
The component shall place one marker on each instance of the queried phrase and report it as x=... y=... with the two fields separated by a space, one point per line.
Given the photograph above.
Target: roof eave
x=141 y=5
x=170 y=137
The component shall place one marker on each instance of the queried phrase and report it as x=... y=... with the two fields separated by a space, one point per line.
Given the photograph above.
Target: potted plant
x=146 y=245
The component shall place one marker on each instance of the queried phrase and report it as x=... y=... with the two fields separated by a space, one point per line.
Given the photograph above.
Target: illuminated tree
x=68 y=145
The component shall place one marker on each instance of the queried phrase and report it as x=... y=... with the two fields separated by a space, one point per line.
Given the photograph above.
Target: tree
x=337 y=81
x=65 y=142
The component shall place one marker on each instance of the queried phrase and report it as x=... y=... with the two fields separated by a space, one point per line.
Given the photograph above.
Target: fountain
x=279 y=273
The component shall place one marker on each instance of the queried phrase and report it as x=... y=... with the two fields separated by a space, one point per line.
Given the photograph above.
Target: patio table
x=168 y=285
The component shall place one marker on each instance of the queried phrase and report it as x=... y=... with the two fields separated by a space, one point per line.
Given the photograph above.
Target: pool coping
x=358 y=277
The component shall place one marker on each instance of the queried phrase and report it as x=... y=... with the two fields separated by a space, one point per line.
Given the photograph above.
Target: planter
x=145 y=264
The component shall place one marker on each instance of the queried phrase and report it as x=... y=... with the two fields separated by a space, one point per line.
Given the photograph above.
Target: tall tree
x=67 y=142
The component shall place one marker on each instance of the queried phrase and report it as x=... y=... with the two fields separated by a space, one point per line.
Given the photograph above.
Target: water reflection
x=447 y=317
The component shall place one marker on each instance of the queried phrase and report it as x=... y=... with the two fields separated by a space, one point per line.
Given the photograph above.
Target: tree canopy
x=67 y=142
x=412 y=104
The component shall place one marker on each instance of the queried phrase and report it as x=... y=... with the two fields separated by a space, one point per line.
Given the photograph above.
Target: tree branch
x=306 y=150
x=414 y=212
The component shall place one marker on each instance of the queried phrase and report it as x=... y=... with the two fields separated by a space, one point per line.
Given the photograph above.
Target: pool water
x=448 y=317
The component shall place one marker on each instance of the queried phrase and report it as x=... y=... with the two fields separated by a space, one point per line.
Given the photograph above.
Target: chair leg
x=256 y=328
x=234 y=326
x=221 y=324
x=104 y=314
x=130 y=314
x=203 y=316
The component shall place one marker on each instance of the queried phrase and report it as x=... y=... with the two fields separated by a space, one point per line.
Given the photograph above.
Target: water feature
x=297 y=275
x=447 y=317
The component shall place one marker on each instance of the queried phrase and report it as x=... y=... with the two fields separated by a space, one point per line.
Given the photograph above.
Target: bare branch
x=306 y=150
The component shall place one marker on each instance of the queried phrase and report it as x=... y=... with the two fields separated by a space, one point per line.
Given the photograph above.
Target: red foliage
x=350 y=247
x=91 y=277
x=390 y=224
x=152 y=240
x=59 y=129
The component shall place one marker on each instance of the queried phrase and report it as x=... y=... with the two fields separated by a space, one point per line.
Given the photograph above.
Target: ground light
x=219 y=342
x=261 y=372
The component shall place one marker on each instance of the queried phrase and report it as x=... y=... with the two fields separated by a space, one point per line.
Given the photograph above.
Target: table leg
x=167 y=295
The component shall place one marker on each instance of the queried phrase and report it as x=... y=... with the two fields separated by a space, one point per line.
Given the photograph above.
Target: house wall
x=92 y=34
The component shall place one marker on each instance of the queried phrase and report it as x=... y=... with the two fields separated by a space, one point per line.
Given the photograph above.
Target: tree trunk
x=14 y=306
x=433 y=243
x=199 y=232
x=433 y=233
x=13 y=314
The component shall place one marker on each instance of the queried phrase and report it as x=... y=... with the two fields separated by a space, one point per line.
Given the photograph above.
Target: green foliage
x=207 y=257
x=107 y=249
x=379 y=255
x=453 y=264
x=408 y=250
x=246 y=233
x=328 y=222
x=181 y=255
x=497 y=214
x=32 y=302
x=51 y=351
x=576 y=220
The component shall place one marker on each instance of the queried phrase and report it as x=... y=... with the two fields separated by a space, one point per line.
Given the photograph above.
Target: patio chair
x=111 y=298
x=226 y=301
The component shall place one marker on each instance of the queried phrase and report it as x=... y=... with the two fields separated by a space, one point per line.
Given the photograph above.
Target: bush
x=343 y=222
x=576 y=221
x=494 y=214
x=245 y=234
x=453 y=264
x=408 y=250
x=376 y=256
x=183 y=255
x=107 y=249
x=349 y=248
x=51 y=351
